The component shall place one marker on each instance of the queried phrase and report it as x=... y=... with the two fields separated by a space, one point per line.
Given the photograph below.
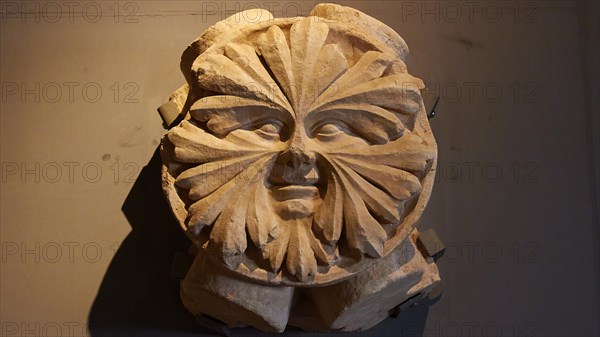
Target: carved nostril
x=296 y=159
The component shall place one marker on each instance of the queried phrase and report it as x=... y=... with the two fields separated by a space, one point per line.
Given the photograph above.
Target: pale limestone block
x=211 y=290
x=304 y=159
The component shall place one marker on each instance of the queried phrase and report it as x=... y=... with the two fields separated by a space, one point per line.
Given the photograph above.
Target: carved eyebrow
x=375 y=124
x=224 y=113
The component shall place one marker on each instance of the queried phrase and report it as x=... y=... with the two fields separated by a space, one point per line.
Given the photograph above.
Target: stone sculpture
x=299 y=167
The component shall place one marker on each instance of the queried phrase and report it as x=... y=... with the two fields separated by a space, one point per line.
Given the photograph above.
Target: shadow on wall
x=138 y=297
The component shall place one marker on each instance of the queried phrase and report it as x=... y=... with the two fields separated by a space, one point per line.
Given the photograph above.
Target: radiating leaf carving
x=328 y=219
x=276 y=53
x=193 y=145
x=205 y=211
x=301 y=261
x=275 y=251
x=397 y=183
x=261 y=219
x=204 y=179
x=289 y=92
x=363 y=232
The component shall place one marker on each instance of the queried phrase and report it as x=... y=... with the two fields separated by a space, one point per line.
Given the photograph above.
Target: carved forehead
x=349 y=28
x=297 y=72
x=348 y=39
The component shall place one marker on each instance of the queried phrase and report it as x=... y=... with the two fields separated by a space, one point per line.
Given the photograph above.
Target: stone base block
x=211 y=290
x=355 y=304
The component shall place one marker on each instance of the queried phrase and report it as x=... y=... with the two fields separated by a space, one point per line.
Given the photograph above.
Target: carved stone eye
x=270 y=129
x=330 y=131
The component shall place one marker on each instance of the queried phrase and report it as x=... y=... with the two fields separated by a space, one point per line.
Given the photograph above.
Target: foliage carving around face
x=302 y=157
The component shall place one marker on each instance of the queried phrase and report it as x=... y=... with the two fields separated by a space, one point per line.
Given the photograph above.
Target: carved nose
x=296 y=159
x=295 y=167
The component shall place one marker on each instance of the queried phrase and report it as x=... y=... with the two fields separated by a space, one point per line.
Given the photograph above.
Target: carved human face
x=300 y=158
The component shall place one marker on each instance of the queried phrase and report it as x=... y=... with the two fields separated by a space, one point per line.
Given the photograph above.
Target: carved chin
x=295 y=209
x=294 y=201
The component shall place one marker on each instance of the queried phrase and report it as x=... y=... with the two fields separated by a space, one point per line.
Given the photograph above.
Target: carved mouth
x=294 y=201
x=290 y=192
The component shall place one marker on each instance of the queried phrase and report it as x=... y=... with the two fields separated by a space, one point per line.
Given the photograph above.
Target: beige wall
x=70 y=153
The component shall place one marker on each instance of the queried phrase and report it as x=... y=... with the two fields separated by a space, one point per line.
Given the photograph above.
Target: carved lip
x=289 y=192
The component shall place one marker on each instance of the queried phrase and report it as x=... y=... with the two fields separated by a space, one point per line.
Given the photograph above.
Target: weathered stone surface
x=209 y=289
x=304 y=159
x=365 y=300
